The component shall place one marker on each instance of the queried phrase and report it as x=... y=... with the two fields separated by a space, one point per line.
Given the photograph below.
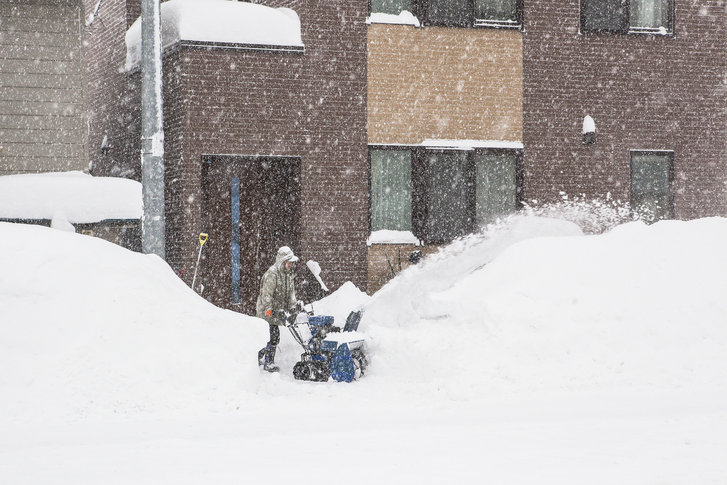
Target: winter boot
x=261 y=357
x=269 y=364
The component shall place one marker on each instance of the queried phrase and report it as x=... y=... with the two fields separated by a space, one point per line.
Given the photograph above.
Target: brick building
x=411 y=122
x=268 y=139
x=444 y=122
x=653 y=81
x=44 y=124
x=606 y=98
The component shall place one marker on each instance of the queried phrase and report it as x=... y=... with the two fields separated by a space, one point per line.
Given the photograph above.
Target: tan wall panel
x=13 y=165
x=32 y=108
x=33 y=123
x=380 y=255
x=40 y=80
x=37 y=38
x=38 y=52
x=37 y=3
x=8 y=136
x=46 y=25
x=39 y=10
x=36 y=66
x=44 y=150
x=24 y=93
x=43 y=124
x=444 y=83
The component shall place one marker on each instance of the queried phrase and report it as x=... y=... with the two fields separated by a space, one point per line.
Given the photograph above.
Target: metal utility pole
x=152 y=131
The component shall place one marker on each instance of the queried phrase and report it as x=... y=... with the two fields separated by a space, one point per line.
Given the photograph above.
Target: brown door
x=251 y=208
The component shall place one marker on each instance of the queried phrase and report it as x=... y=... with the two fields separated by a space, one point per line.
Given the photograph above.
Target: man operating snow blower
x=277 y=294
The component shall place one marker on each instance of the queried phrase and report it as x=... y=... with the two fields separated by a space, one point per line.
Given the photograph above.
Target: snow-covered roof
x=223 y=21
x=73 y=196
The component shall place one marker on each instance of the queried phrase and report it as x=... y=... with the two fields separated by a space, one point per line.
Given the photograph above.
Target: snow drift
x=528 y=306
x=593 y=359
x=88 y=327
x=640 y=306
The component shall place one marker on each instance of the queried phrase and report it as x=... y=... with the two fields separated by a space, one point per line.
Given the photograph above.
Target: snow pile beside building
x=221 y=21
x=75 y=197
x=341 y=302
x=639 y=307
x=530 y=307
x=87 y=328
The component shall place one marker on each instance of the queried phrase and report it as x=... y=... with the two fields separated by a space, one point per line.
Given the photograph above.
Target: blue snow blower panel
x=329 y=346
x=342 y=366
x=317 y=321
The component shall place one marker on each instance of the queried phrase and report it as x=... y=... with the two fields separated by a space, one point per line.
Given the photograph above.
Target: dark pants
x=267 y=353
x=274 y=336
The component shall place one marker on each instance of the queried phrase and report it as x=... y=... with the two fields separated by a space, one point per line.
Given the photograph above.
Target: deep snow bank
x=87 y=327
x=638 y=306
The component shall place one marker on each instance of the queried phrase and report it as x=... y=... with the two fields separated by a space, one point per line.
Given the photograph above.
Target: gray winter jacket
x=276 y=291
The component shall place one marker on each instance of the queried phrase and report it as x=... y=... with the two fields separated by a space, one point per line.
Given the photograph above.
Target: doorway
x=250 y=207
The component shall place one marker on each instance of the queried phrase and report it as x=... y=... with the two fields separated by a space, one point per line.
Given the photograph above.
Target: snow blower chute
x=328 y=351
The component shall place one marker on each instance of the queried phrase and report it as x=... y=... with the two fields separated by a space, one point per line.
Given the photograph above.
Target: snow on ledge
x=386 y=236
x=72 y=196
x=222 y=21
x=589 y=125
x=404 y=18
x=472 y=144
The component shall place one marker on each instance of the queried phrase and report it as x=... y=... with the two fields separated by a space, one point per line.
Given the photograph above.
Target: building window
x=650 y=15
x=393 y=7
x=497 y=12
x=472 y=13
x=442 y=194
x=495 y=186
x=651 y=179
x=623 y=16
x=449 y=201
x=391 y=189
x=449 y=12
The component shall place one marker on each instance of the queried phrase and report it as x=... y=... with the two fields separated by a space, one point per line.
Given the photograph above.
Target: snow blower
x=328 y=351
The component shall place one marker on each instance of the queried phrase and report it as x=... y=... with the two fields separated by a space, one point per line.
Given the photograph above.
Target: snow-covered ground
x=530 y=354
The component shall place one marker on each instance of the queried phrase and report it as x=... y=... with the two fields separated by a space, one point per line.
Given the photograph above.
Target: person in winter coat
x=277 y=293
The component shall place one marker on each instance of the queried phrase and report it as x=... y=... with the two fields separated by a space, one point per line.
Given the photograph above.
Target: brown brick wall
x=446 y=83
x=110 y=102
x=309 y=105
x=643 y=91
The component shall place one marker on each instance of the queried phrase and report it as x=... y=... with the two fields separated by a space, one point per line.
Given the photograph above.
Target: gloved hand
x=282 y=316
